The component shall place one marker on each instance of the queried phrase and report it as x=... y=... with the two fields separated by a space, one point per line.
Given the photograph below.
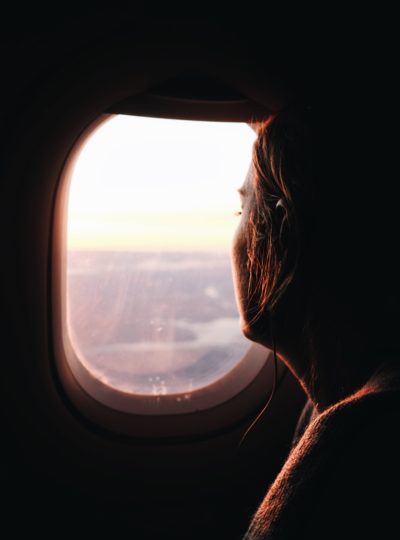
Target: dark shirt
x=342 y=478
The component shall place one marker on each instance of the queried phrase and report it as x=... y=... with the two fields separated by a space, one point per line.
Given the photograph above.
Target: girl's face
x=255 y=318
x=245 y=298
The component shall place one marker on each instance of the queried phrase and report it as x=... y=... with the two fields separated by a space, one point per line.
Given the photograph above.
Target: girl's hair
x=282 y=176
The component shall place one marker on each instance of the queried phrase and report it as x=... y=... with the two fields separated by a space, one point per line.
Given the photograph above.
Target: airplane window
x=150 y=306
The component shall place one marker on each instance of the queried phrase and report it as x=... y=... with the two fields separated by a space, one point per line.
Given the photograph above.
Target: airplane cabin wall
x=62 y=472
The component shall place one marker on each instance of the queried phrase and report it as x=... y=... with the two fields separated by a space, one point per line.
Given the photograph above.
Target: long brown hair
x=282 y=176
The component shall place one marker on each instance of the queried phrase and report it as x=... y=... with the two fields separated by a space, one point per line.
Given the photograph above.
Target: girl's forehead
x=248 y=181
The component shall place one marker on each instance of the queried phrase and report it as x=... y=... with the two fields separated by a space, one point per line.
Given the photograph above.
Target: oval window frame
x=230 y=398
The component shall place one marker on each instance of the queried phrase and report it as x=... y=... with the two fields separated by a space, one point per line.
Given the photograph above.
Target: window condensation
x=150 y=301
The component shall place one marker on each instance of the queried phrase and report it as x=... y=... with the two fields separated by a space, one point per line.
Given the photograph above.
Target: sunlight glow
x=156 y=184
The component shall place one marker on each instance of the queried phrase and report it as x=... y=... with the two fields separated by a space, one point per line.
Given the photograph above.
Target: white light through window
x=150 y=302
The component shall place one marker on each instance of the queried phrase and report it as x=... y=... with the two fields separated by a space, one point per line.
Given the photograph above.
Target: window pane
x=150 y=302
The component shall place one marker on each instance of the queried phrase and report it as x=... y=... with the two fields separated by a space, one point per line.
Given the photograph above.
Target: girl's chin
x=257 y=331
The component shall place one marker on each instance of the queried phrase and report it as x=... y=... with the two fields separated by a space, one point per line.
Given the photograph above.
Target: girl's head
x=277 y=200
x=314 y=253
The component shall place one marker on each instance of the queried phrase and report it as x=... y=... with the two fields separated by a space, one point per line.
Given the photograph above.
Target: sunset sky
x=156 y=184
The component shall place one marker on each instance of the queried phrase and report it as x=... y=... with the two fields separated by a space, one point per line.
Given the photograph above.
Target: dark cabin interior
x=62 y=472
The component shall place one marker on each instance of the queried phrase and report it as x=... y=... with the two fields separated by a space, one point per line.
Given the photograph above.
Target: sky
x=158 y=185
